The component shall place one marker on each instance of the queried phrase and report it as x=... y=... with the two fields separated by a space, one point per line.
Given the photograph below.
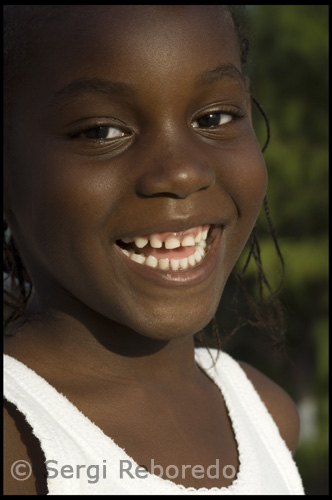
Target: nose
x=175 y=171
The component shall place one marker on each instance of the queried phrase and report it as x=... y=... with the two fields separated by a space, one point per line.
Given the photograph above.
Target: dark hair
x=268 y=315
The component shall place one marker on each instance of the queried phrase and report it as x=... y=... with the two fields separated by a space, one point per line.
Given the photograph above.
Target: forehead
x=145 y=44
x=145 y=22
x=75 y=35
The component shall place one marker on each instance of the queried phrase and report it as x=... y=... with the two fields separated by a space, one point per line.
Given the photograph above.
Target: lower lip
x=186 y=277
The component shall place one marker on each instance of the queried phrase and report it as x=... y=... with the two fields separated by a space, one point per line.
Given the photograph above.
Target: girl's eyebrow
x=224 y=70
x=108 y=87
x=89 y=85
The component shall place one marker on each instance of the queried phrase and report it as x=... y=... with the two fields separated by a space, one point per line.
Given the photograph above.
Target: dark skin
x=124 y=342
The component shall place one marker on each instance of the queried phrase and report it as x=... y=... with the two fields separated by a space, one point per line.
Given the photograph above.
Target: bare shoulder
x=20 y=444
x=21 y=454
x=278 y=402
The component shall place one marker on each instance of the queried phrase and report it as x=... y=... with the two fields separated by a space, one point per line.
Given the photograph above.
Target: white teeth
x=198 y=242
x=184 y=263
x=125 y=251
x=188 y=241
x=164 y=264
x=200 y=250
x=191 y=260
x=155 y=242
x=141 y=242
x=172 y=242
x=205 y=233
x=175 y=263
x=151 y=261
x=198 y=256
x=198 y=237
x=138 y=258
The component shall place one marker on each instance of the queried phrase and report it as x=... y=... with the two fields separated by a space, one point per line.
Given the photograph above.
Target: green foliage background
x=288 y=67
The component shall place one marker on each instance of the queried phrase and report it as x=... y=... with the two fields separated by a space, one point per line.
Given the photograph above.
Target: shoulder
x=20 y=447
x=279 y=404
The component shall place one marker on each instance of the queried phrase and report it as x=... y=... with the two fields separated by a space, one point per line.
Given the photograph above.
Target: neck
x=107 y=349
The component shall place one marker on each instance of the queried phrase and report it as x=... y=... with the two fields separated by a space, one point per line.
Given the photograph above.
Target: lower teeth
x=174 y=264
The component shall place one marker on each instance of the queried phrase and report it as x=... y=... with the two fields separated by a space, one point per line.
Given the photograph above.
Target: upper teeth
x=141 y=242
x=171 y=242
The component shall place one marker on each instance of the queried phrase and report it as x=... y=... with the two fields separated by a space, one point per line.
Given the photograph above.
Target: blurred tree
x=289 y=75
x=288 y=68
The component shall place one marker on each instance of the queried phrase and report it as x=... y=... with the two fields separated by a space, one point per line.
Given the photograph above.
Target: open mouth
x=173 y=251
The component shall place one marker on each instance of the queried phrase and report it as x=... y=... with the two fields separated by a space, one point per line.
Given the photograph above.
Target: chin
x=175 y=324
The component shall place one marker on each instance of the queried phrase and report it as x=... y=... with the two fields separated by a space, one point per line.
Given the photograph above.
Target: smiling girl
x=133 y=180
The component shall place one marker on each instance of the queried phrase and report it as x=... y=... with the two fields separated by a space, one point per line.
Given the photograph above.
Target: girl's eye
x=101 y=132
x=212 y=120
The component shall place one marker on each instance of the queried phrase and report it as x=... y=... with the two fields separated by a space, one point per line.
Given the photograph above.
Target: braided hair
x=266 y=315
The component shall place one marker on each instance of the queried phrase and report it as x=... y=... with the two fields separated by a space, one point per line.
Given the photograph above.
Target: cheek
x=63 y=210
x=245 y=178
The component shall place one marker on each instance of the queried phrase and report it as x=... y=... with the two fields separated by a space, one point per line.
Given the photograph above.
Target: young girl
x=133 y=179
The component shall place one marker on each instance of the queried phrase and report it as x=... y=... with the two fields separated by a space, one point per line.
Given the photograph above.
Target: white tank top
x=68 y=437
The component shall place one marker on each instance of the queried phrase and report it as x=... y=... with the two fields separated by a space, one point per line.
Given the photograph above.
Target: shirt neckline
x=213 y=372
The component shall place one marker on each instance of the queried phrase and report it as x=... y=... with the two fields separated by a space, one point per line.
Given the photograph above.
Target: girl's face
x=133 y=121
